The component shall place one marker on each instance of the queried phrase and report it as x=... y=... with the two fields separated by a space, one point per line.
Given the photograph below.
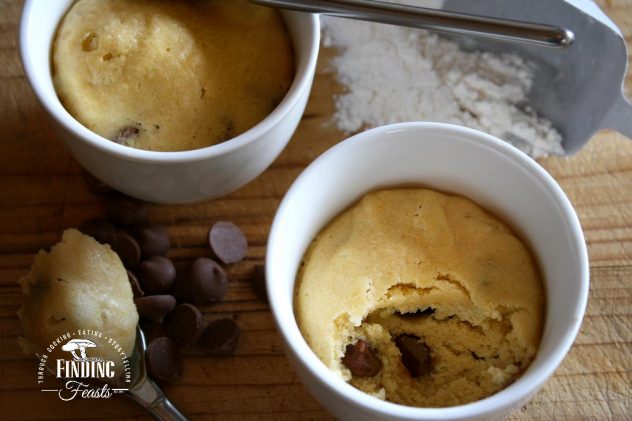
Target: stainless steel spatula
x=578 y=88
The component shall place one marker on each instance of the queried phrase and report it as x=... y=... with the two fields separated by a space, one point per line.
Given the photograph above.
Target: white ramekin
x=169 y=177
x=449 y=158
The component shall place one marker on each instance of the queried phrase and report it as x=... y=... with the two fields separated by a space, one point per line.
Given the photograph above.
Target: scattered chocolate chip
x=136 y=289
x=184 y=324
x=153 y=239
x=419 y=313
x=203 y=282
x=220 y=337
x=164 y=360
x=361 y=360
x=155 y=307
x=152 y=330
x=126 y=247
x=227 y=242
x=156 y=274
x=126 y=211
x=127 y=132
x=415 y=355
x=258 y=282
x=98 y=228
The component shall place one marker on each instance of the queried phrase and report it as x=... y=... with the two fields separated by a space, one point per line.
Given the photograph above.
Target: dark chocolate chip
x=98 y=228
x=126 y=133
x=415 y=355
x=126 y=247
x=153 y=239
x=136 y=289
x=476 y=356
x=126 y=211
x=227 y=242
x=184 y=324
x=203 y=282
x=156 y=274
x=361 y=360
x=155 y=307
x=258 y=282
x=164 y=360
x=220 y=337
x=152 y=330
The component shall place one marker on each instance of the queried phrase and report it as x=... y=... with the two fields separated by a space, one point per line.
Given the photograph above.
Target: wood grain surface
x=42 y=192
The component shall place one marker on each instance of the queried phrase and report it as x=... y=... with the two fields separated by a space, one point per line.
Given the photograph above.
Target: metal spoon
x=143 y=390
x=435 y=20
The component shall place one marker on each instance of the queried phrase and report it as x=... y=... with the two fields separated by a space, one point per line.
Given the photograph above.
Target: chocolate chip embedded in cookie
x=415 y=355
x=361 y=360
x=126 y=134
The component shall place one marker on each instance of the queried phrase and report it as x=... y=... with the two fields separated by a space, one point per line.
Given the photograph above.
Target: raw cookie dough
x=79 y=284
x=373 y=270
x=171 y=75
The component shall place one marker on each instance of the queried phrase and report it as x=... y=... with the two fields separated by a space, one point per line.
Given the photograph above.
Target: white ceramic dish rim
x=53 y=105
x=528 y=383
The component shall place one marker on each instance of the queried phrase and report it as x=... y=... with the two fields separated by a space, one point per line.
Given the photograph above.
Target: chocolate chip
x=476 y=356
x=152 y=330
x=90 y=42
x=184 y=324
x=220 y=337
x=258 y=282
x=98 y=228
x=227 y=242
x=361 y=360
x=203 y=282
x=136 y=289
x=126 y=211
x=126 y=247
x=164 y=360
x=127 y=132
x=155 y=307
x=156 y=274
x=415 y=355
x=153 y=239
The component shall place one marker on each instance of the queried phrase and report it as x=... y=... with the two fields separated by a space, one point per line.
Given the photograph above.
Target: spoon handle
x=434 y=20
x=148 y=395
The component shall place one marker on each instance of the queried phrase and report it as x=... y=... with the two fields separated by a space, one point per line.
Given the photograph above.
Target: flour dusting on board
x=394 y=74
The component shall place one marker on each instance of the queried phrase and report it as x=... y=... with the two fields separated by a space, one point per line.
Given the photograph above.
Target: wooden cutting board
x=42 y=192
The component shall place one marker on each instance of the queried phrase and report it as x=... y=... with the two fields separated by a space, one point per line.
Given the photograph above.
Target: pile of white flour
x=394 y=74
